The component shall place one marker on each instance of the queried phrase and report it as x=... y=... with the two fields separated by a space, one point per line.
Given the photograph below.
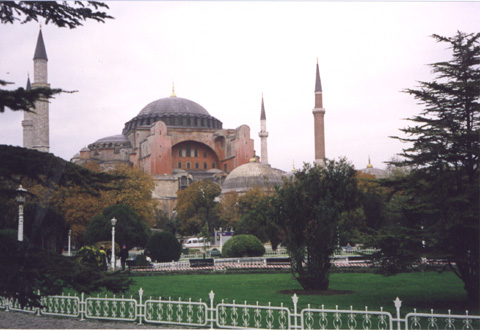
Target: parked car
x=196 y=242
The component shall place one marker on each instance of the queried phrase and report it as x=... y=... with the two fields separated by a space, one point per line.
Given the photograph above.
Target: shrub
x=164 y=247
x=243 y=246
x=91 y=257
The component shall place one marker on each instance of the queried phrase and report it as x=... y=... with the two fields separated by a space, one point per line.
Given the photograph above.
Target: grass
x=421 y=290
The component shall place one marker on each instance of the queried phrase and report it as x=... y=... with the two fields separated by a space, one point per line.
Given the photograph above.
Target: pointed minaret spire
x=40 y=51
x=29 y=86
x=36 y=132
x=318 y=117
x=318 y=82
x=263 y=135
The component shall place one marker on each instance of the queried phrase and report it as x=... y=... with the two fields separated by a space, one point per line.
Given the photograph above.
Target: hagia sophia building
x=176 y=141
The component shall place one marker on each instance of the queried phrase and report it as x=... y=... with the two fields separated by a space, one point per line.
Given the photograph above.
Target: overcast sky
x=224 y=55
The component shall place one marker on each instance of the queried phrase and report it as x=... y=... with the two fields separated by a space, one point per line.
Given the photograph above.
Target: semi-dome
x=174 y=112
x=250 y=175
x=112 y=141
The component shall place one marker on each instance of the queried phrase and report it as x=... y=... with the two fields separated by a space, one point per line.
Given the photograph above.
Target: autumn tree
x=196 y=207
x=227 y=210
x=309 y=206
x=443 y=185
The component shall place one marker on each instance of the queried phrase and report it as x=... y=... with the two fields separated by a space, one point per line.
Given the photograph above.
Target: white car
x=196 y=242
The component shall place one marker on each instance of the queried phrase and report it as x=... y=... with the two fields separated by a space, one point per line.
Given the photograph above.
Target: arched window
x=205 y=166
x=179 y=164
x=213 y=165
x=197 y=166
x=188 y=165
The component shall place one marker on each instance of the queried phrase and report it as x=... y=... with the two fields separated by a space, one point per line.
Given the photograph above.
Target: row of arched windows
x=188 y=165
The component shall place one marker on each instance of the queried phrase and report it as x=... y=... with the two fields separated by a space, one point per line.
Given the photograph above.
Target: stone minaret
x=35 y=124
x=263 y=136
x=318 y=116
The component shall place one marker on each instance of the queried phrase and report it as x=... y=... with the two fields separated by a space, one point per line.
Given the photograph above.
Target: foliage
x=133 y=187
x=257 y=216
x=24 y=269
x=65 y=14
x=441 y=191
x=130 y=229
x=196 y=207
x=164 y=247
x=227 y=209
x=141 y=261
x=243 y=246
x=91 y=256
x=45 y=227
x=309 y=207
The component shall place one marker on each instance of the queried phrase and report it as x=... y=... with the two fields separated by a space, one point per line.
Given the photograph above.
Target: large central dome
x=174 y=112
x=173 y=106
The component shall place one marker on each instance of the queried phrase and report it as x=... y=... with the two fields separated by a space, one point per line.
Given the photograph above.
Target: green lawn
x=441 y=291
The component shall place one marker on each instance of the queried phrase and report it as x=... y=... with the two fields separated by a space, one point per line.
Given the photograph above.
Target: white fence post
x=398 y=304
x=295 y=315
x=140 y=306
x=82 y=307
x=211 y=295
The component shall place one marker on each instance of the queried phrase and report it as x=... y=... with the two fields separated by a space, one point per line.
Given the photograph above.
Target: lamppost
x=69 y=242
x=114 y=221
x=21 y=192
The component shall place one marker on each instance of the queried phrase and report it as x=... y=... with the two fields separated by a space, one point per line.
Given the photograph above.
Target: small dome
x=250 y=175
x=111 y=142
x=113 y=139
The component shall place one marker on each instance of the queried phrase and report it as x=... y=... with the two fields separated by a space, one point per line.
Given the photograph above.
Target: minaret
x=318 y=116
x=263 y=136
x=36 y=123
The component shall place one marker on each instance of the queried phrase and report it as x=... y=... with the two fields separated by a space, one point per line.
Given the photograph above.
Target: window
x=213 y=165
x=179 y=152
x=179 y=164
x=205 y=166
x=195 y=152
x=197 y=166
x=188 y=165
x=204 y=154
x=189 y=151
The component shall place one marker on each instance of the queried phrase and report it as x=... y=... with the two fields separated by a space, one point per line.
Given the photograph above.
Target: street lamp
x=21 y=193
x=69 y=242
x=114 y=222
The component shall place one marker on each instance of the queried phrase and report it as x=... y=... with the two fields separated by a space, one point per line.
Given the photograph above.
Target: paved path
x=18 y=320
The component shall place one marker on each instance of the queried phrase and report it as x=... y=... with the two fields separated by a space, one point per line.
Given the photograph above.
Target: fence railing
x=223 y=315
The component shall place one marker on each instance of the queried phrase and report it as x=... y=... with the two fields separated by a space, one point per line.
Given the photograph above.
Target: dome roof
x=174 y=112
x=247 y=176
x=111 y=141
x=173 y=106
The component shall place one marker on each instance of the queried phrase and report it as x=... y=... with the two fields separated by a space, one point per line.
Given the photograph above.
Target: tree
x=64 y=14
x=257 y=216
x=228 y=210
x=164 y=247
x=443 y=186
x=196 y=207
x=309 y=206
x=130 y=229
x=27 y=269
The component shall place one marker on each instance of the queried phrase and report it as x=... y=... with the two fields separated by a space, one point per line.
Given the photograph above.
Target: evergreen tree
x=309 y=207
x=443 y=186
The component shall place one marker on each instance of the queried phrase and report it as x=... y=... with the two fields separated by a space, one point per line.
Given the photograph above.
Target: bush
x=164 y=247
x=243 y=246
x=92 y=257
